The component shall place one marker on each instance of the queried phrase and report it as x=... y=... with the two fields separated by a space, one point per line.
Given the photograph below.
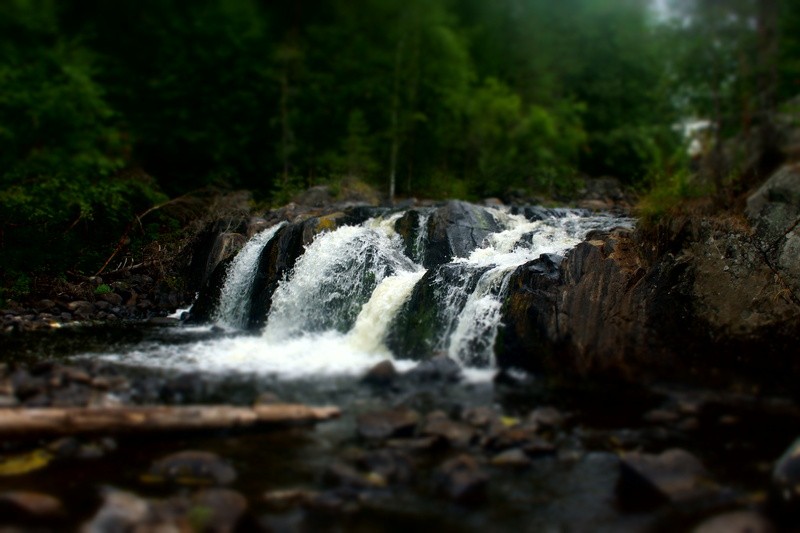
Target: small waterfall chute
x=333 y=279
x=235 y=297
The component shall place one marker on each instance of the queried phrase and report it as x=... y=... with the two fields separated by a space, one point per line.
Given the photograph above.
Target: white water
x=470 y=340
x=332 y=313
x=233 y=308
x=333 y=278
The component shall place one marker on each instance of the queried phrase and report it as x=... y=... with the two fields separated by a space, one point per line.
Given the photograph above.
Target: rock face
x=653 y=300
x=774 y=211
x=456 y=229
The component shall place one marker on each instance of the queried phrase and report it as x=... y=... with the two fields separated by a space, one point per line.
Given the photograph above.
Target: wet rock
x=775 y=206
x=217 y=510
x=524 y=437
x=414 y=236
x=735 y=522
x=661 y=416
x=481 y=416
x=390 y=465
x=439 y=368
x=673 y=476
x=111 y=298
x=340 y=474
x=545 y=417
x=163 y=321
x=120 y=511
x=382 y=374
x=786 y=477
x=461 y=479
x=423 y=444
x=29 y=505
x=191 y=468
x=45 y=305
x=455 y=230
x=282 y=499
x=456 y=434
x=81 y=309
x=392 y=423
x=513 y=458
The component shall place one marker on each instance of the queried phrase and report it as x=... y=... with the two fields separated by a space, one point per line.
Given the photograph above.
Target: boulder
x=455 y=230
x=191 y=467
x=673 y=476
x=774 y=212
x=392 y=423
x=786 y=478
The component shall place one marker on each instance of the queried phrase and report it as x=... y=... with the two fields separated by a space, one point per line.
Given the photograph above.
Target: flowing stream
x=331 y=313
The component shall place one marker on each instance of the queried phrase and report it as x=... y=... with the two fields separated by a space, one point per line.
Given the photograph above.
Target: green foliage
x=102 y=289
x=108 y=107
x=670 y=192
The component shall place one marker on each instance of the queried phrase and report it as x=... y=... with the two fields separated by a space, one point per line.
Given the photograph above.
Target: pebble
x=735 y=522
x=393 y=423
x=461 y=479
x=513 y=458
x=191 y=467
x=30 y=504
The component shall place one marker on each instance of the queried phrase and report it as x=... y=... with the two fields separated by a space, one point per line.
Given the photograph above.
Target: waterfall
x=234 y=303
x=471 y=336
x=373 y=321
x=332 y=312
x=335 y=276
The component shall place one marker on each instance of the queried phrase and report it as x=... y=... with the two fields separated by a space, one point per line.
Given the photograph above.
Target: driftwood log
x=145 y=419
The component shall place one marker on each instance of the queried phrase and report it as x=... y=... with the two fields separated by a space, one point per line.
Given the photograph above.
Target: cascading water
x=335 y=276
x=472 y=341
x=331 y=313
x=234 y=302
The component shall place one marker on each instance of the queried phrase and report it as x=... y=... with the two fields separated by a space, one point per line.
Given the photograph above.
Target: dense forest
x=110 y=109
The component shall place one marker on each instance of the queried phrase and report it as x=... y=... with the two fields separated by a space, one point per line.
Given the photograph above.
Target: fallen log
x=145 y=419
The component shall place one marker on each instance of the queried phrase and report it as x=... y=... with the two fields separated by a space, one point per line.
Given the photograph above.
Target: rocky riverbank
x=415 y=448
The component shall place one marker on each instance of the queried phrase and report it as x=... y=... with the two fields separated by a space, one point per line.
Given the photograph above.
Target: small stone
x=735 y=522
x=217 y=510
x=30 y=504
x=281 y=499
x=548 y=417
x=111 y=298
x=382 y=374
x=45 y=305
x=81 y=308
x=728 y=420
x=462 y=480
x=423 y=444
x=340 y=474
x=672 y=476
x=191 y=468
x=393 y=423
x=480 y=417
x=513 y=458
x=689 y=424
x=456 y=434
x=390 y=465
x=661 y=416
x=439 y=368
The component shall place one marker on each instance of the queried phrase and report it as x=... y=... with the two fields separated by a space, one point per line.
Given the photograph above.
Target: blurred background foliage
x=110 y=108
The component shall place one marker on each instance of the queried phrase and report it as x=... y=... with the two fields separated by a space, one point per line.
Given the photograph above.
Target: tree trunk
x=147 y=419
